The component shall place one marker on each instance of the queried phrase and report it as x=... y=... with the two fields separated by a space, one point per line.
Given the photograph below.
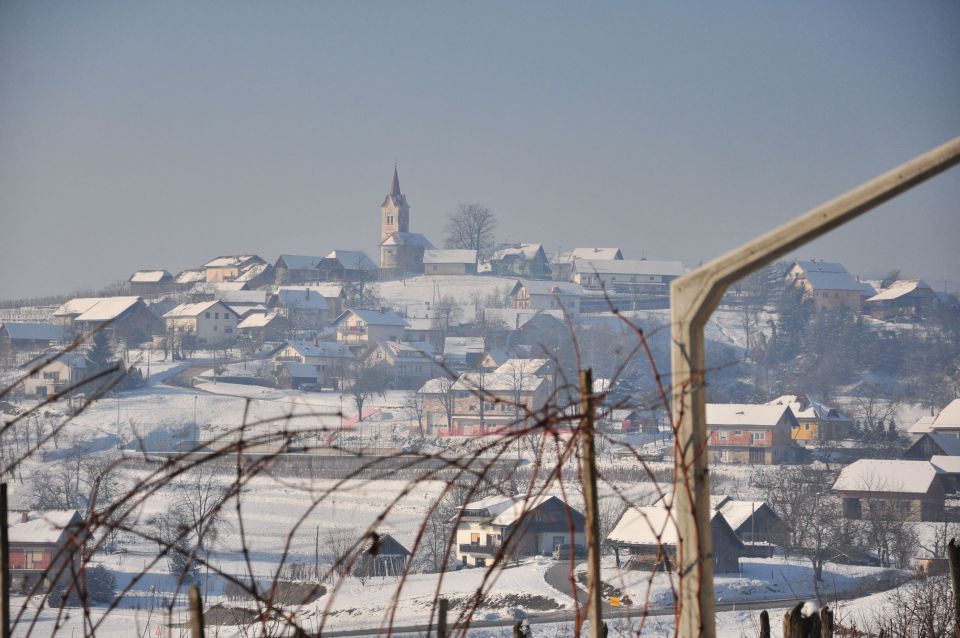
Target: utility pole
x=693 y=298
x=591 y=503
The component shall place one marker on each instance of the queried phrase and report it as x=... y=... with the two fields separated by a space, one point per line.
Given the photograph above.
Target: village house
x=207 y=322
x=490 y=402
x=409 y=364
x=297 y=376
x=187 y=279
x=303 y=307
x=515 y=527
x=363 y=329
x=296 y=269
x=904 y=300
x=347 y=265
x=947 y=422
x=562 y=266
x=914 y=487
x=629 y=276
x=60 y=373
x=263 y=326
x=17 y=337
x=126 y=318
x=815 y=421
x=748 y=433
x=151 y=282
x=246 y=268
x=755 y=523
x=381 y=557
x=519 y=260
x=44 y=546
x=462 y=353
x=330 y=359
x=539 y=295
x=645 y=538
x=449 y=262
x=829 y=285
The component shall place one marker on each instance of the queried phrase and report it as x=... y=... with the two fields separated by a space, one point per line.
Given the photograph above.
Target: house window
x=488 y=406
x=228 y=330
x=806 y=426
x=474 y=539
x=723 y=435
x=215 y=328
x=51 y=376
x=216 y=315
x=206 y=315
x=389 y=219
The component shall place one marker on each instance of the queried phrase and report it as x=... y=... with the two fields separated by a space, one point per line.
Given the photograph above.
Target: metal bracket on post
x=693 y=298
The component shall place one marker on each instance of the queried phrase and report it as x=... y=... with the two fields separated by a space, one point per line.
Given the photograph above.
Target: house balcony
x=471 y=548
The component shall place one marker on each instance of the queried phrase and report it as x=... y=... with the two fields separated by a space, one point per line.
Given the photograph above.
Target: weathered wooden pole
x=764 y=624
x=4 y=565
x=196 y=612
x=953 y=558
x=591 y=505
x=826 y=623
x=693 y=297
x=442 y=608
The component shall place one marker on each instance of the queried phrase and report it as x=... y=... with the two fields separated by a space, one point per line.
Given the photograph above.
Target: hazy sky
x=161 y=134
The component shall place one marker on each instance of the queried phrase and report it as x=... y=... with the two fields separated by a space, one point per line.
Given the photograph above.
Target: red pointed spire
x=395 y=189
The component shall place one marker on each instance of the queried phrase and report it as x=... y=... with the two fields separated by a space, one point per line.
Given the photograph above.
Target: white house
x=627 y=275
x=208 y=322
x=449 y=262
x=530 y=294
x=58 y=375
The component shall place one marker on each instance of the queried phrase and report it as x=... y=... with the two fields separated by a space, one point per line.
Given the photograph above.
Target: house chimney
x=23 y=517
x=316 y=341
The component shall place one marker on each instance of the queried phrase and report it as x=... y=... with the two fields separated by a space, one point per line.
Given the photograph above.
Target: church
x=400 y=250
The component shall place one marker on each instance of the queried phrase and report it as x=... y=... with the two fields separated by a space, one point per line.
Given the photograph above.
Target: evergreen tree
x=100 y=354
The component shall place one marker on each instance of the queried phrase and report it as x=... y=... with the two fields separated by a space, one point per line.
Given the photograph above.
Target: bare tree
x=198 y=505
x=471 y=227
x=366 y=382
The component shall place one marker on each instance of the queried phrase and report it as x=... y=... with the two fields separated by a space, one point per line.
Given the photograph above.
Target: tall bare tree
x=471 y=227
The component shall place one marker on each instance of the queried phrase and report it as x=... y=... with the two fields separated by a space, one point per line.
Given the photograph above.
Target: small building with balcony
x=363 y=329
x=750 y=434
x=514 y=527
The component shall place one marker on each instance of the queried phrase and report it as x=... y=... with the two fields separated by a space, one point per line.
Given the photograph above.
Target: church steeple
x=394 y=211
x=395 y=189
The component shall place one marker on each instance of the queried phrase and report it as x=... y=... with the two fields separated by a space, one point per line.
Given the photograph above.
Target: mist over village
x=329 y=347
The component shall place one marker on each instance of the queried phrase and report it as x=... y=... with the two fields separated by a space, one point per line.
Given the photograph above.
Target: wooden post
x=953 y=558
x=693 y=297
x=826 y=623
x=589 y=461
x=442 y=607
x=196 y=612
x=4 y=566
x=764 y=624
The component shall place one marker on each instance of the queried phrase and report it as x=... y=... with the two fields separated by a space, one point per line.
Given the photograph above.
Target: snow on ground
x=777 y=577
x=413 y=294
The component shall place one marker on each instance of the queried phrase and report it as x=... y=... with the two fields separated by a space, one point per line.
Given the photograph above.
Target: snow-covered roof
x=949 y=417
x=821 y=266
x=438 y=385
x=744 y=414
x=41 y=527
x=922 y=425
x=647 y=526
x=515 y=318
x=150 y=277
x=497 y=382
x=884 y=475
x=257 y=320
x=300 y=262
x=406 y=350
x=527 y=251
x=807 y=408
x=520 y=508
x=946 y=464
x=27 y=331
x=523 y=366
x=900 y=288
x=629 y=267
x=301 y=297
x=252 y=297
x=253 y=271
x=449 y=256
x=400 y=238
x=70 y=359
x=374 y=317
x=493 y=504
x=603 y=254
x=832 y=281
x=190 y=276
x=96 y=308
x=227 y=261
x=330 y=291
x=737 y=513
x=194 y=309
x=320 y=348
x=461 y=346
x=352 y=259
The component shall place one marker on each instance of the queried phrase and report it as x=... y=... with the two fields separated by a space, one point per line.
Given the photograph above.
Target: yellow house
x=813 y=419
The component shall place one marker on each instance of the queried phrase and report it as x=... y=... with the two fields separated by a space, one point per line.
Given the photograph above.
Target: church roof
x=399 y=238
x=395 y=197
